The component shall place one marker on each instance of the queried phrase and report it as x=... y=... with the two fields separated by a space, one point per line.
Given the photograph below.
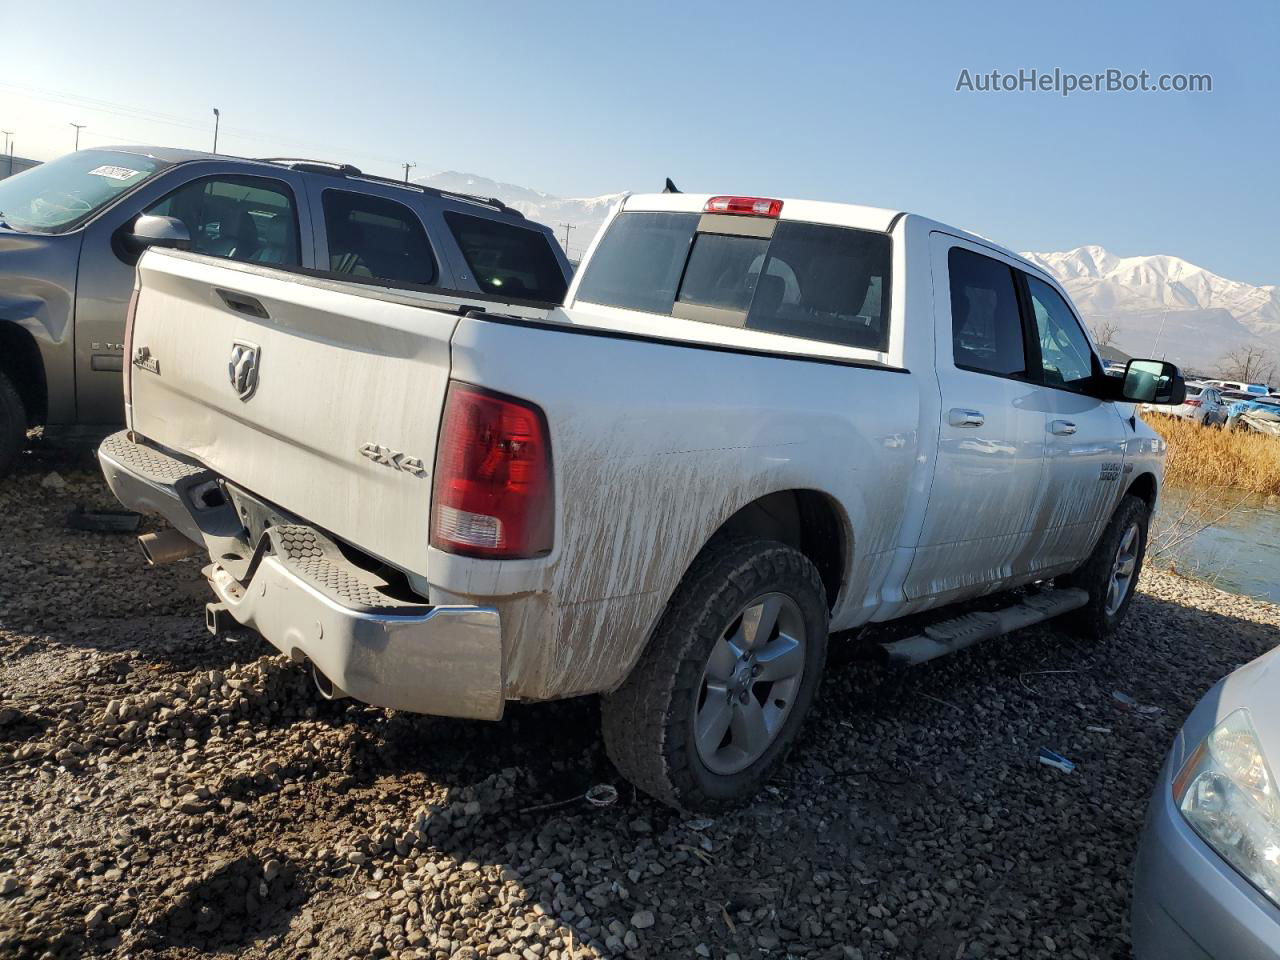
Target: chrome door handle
x=1062 y=428
x=965 y=418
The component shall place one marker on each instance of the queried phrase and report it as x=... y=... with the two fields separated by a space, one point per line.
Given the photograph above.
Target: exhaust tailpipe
x=327 y=688
x=166 y=547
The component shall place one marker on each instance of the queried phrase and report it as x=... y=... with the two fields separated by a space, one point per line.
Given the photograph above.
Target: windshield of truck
x=807 y=280
x=59 y=194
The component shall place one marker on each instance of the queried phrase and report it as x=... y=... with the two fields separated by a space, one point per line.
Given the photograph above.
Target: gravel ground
x=165 y=793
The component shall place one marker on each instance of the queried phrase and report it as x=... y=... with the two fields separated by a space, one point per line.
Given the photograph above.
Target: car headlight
x=1227 y=794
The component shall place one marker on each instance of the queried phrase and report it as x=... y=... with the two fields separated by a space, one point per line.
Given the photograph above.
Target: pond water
x=1225 y=536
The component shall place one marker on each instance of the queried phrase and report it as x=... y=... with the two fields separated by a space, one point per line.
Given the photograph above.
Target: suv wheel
x=13 y=424
x=1110 y=575
x=720 y=693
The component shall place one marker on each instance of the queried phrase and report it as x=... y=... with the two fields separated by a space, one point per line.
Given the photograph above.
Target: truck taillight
x=493 y=493
x=127 y=364
x=745 y=206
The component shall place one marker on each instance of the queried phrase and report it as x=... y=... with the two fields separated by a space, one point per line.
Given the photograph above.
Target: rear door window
x=507 y=260
x=376 y=238
x=237 y=217
x=986 y=325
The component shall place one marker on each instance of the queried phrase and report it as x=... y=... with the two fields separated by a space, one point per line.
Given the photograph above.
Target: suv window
x=377 y=238
x=1065 y=353
x=809 y=280
x=238 y=217
x=508 y=260
x=986 y=325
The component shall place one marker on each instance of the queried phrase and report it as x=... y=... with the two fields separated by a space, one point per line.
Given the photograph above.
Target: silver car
x=1208 y=873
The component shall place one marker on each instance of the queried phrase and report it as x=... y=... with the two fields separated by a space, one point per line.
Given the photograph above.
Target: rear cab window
x=807 y=280
x=508 y=260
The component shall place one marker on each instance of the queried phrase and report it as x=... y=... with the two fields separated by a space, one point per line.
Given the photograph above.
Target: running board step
x=949 y=636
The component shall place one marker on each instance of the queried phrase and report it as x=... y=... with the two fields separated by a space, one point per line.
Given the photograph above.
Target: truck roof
x=880 y=219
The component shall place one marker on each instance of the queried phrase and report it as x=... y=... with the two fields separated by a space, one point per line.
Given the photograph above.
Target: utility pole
x=8 y=148
x=79 y=127
x=407 y=168
x=567 y=228
x=217 y=118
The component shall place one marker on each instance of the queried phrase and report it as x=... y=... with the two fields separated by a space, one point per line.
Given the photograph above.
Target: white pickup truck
x=752 y=423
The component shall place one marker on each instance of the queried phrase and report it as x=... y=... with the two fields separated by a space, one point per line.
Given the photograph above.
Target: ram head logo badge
x=243 y=368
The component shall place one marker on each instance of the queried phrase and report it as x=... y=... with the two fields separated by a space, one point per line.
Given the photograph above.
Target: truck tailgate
x=322 y=398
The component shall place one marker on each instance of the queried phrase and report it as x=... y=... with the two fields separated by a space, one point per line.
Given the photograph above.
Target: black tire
x=13 y=425
x=1095 y=620
x=648 y=723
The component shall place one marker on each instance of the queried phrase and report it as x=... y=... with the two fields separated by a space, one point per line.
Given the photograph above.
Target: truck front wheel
x=719 y=695
x=13 y=424
x=1110 y=575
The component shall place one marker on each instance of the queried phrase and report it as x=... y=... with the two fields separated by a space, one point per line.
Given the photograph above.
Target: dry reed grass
x=1205 y=457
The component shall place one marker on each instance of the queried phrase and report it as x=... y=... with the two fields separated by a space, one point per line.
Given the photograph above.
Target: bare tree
x=1104 y=331
x=1247 y=363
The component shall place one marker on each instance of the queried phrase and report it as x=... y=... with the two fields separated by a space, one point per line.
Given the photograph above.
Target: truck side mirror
x=1153 y=381
x=154 y=231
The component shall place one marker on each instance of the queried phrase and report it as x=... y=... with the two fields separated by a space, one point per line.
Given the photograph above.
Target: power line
x=567 y=228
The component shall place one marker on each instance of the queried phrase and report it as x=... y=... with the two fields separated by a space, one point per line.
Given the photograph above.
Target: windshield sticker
x=115 y=173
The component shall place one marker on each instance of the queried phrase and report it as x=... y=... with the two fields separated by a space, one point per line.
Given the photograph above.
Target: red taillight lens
x=493 y=492
x=744 y=206
x=1192 y=403
x=127 y=363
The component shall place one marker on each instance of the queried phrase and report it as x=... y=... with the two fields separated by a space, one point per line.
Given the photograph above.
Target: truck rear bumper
x=306 y=599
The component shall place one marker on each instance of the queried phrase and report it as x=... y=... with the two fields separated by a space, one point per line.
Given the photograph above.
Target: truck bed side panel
x=655 y=446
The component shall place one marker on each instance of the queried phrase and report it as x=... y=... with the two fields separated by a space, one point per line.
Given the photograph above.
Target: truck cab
x=70 y=242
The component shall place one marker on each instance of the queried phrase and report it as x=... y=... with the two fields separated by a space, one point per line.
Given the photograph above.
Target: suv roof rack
x=347 y=170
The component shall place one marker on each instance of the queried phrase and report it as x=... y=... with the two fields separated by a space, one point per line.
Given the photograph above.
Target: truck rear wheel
x=1110 y=575
x=13 y=424
x=719 y=695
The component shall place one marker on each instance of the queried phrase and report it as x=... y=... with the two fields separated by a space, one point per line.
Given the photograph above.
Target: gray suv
x=71 y=232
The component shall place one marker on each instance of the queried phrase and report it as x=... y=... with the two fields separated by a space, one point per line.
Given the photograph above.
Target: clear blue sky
x=847 y=101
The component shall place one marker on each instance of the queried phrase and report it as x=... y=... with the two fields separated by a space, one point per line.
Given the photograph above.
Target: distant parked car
x=1253 y=389
x=1204 y=405
x=1113 y=368
x=1260 y=414
x=1208 y=873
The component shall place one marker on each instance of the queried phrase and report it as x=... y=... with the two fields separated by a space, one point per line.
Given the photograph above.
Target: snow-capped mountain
x=1166 y=306
x=583 y=214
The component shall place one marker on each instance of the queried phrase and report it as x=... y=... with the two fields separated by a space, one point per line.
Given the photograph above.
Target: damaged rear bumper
x=296 y=588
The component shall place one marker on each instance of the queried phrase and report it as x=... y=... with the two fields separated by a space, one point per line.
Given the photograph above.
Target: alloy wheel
x=1122 y=569
x=749 y=684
